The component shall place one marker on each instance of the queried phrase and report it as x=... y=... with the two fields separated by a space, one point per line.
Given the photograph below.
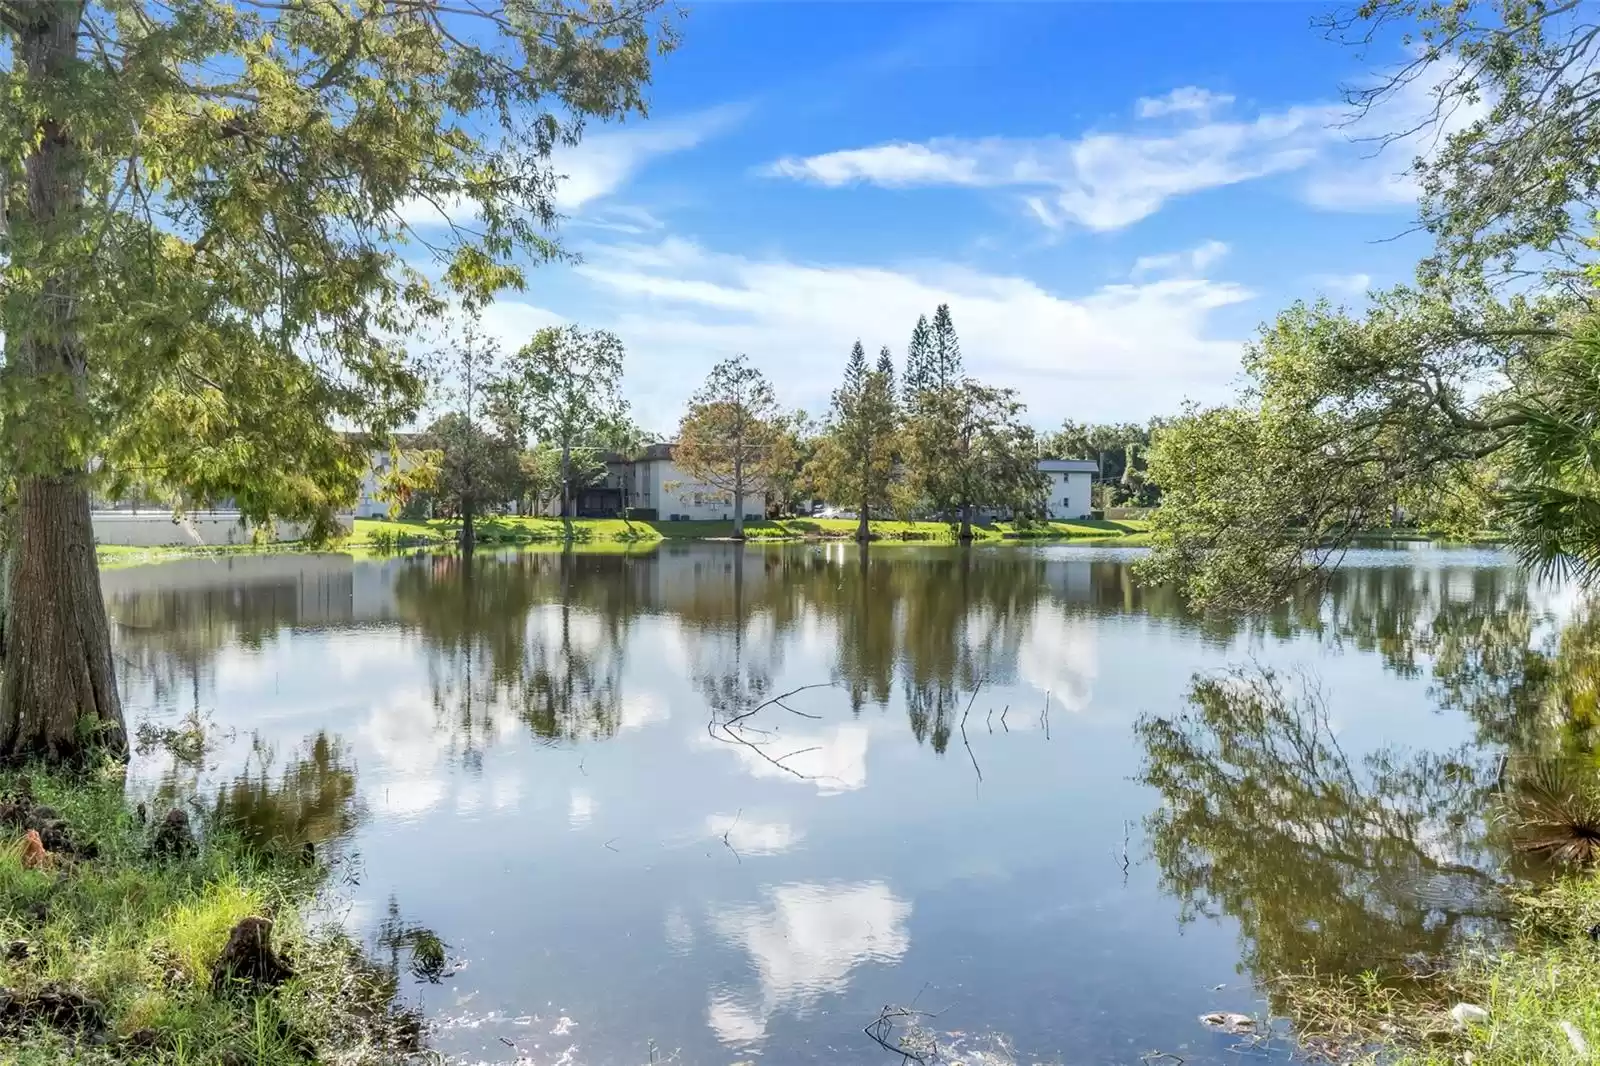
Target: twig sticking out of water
x=1044 y=716
x=1003 y=718
x=1127 y=834
x=968 y=744
x=726 y=842
x=916 y=1045
x=731 y=729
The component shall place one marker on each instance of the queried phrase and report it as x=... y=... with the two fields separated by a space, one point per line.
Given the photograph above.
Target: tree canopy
x=217 y=234
x=733 y=437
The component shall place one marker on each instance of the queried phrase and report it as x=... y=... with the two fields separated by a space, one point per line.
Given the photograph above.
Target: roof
x=1069 y=466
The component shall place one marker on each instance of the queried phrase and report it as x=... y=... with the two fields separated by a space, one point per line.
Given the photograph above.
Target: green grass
x=139 y=935
x=625 y=534
x=1547 y=974
x=513 y=529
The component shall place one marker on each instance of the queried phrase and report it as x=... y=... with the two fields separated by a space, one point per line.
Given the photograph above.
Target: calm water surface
x=552 y=763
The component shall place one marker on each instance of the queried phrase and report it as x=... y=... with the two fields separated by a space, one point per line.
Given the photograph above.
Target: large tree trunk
x=863 y=531
x=966 y=522
x=59 y=694
x=58 y=697
x=469 y=535
x=738 y=499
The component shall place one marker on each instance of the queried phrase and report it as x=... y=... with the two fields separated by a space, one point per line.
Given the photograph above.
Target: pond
x=723 y=804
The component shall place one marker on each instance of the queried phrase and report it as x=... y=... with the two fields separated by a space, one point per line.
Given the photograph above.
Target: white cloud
x=1371 y=174
x=1110 y=180
x=1343 y=284
x=604 y=160
x=804 y=942
x=598 y=166
x=1194 y=261
x=1120 y=351
x=1188 y=99
x=1102 y=181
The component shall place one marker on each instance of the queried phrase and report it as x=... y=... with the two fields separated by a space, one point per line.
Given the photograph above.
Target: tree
x=793 y=479
x=201 y=273
x=855 y=458
x=1512 y=178
x=919 y=359
x=944 y=364
x=568 y=380
x=1343 y=418
x=540 y=476
x=478 y=470
x=732 y=435
x=974 y=453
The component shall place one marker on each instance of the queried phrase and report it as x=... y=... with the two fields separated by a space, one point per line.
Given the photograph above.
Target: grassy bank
x=1536 y=986
x=107 y=950
x=515 y=529
x=621 y=534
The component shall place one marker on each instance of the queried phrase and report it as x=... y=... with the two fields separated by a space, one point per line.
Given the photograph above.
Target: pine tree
x=944 y=352
x=919 y=354
x=855 y=371
x=854 y=462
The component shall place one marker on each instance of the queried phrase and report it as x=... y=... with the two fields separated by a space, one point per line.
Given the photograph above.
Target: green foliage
x=565 y=381
x=139 y=935
x=855 y=460
x=478 y=470
x=733 y=436
x=919 y=360
x=232 y=187
x=1514 y=173
x=967 y=449
x=1342 y=419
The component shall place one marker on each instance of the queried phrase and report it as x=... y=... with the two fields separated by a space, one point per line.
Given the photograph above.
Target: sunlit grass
x=139 y=936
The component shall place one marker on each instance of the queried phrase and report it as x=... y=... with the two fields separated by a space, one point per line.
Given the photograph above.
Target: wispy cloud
x=1110 y=180
x=1190 y=262
x=1103 y=181
x=606 y=159
x=1343 y=284
x=1188 y=99
x=599 y=166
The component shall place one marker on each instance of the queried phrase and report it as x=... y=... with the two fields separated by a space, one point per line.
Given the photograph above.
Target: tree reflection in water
x=1341 y=867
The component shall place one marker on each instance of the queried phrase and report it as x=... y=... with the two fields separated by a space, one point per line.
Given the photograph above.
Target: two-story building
x=654 y=483
x=1071 y=487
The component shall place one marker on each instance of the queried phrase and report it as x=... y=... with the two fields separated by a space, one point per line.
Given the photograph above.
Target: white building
x=372 y=503
x=656 y=484
x=1071 y=481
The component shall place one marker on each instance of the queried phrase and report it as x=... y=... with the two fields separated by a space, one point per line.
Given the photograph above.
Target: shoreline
x=379 y=536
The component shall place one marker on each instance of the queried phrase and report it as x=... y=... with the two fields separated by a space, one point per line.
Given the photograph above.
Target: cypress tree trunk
x=966 y=522
x=469 y=536
x=59 y=692
x=738 y=498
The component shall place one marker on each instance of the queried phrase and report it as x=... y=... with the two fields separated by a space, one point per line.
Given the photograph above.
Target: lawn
x=519 y=529
x=619 y=533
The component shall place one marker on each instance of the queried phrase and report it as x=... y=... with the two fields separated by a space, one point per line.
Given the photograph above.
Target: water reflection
x=1329 y=864
x=803 y=941
x=545 y=727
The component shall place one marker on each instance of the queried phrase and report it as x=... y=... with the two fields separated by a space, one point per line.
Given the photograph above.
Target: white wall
x=1069 y=494
x=687 y=497
x=371 y=503
x=160 y=529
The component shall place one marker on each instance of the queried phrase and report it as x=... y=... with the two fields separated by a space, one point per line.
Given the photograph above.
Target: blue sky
x=1110 y=196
